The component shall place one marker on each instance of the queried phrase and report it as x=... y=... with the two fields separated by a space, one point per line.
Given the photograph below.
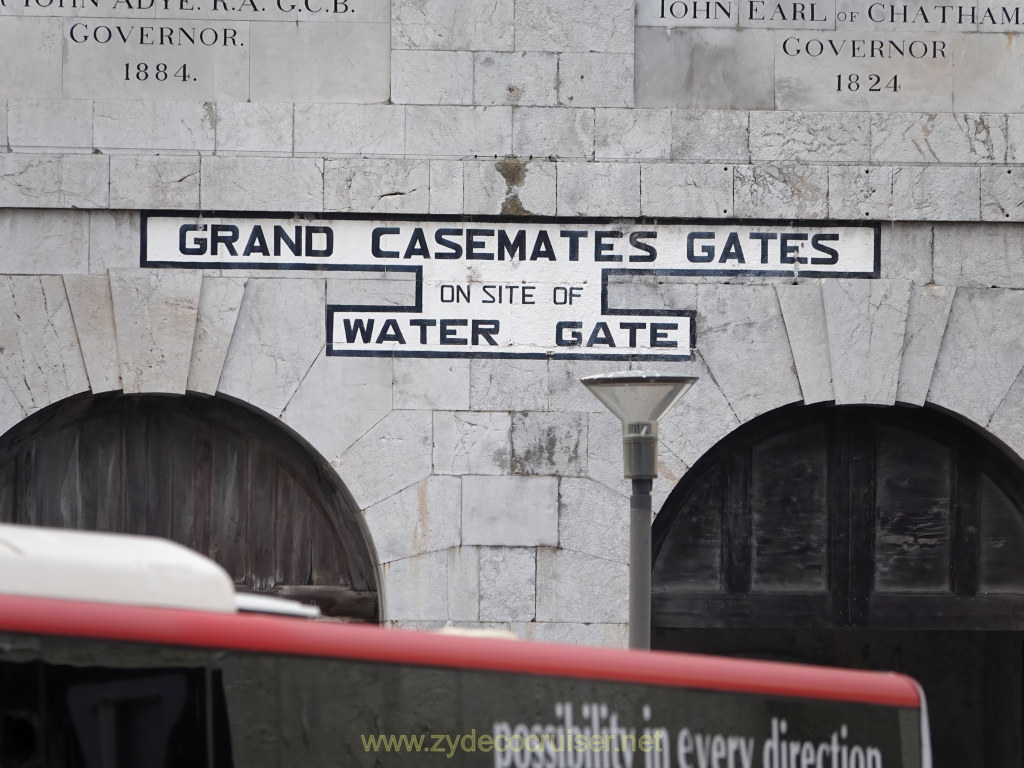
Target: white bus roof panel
x=110 y=568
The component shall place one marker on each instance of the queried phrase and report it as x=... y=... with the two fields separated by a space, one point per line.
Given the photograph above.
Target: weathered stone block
x=447 y=26
x=262 y=183
x=422 y=518
x=446 y=187
x=593 y=519
x=472 y=443
x=901 y=137
x=706 y=135
x=112 y=241
x=11 y=411
x=255 y=127
x=529 y=79
x=809 y=137
x=349 y=129
x=278 y=335
x=54 y=181
x=671 y=189
x=1002 y=194
x=956 y=255
x=781 y=191
x=981 y=354
x=855 y=192
x=574 y=633
x=633 y=134
x=432 y=384
x=705 y=68
x=394 y=454
x=431 y=77
x=33 y=54
x=907 y=249
x=936 y=193
x=464 y=583
x=509 y=187
x=549 y=443
x=574 y=587
x=508 y=584
x=377 y=186
x=154 y=182
x=416 y=588
x=45 y=241
x=804 y=311
x=926 y=325
x=595 y=79
x=458 y=131
x=510 y=511
x=39 y=351
x=49 y=124
x=508 y=385
x=358 y=392
x=588 y=25
x=320 y=62
x=740 y=329
x=1007 y=423
x=598 y=189
x=93 y=311
x=553 y=132
x=219 y=300
x=155 y=318
x=180 y=126
x=866 y=321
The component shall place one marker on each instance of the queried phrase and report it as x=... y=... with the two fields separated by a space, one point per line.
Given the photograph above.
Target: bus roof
x=282 y=635
x=110 y=568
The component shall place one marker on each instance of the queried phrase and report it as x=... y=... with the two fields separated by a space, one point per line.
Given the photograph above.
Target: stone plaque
x=829 y=55
x=202 y=50
x=490 y=287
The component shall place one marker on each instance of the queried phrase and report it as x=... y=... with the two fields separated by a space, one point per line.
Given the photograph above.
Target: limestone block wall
x=493 y=488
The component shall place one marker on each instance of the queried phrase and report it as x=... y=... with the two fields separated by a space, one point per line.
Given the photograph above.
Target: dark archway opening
x=865 y=537
x=206 y=472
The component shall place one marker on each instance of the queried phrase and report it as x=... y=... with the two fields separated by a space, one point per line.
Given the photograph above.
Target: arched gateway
x=204 y=471
x=861 y=536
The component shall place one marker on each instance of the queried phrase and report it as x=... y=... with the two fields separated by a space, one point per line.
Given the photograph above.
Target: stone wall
x=493 y=488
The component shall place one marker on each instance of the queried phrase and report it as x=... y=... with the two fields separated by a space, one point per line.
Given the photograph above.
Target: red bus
x=131 y=652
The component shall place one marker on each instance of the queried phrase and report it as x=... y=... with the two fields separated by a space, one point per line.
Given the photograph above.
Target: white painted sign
x=487 y=287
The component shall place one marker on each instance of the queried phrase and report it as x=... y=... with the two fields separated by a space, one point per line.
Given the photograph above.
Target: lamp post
x=639 y=399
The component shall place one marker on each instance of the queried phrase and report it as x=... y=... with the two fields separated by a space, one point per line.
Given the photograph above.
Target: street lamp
x=639 y=399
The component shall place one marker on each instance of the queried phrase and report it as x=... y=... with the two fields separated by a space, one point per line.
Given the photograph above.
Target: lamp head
x=639 y=399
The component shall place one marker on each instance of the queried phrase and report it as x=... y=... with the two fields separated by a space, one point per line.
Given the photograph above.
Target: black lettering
x=280 y=236
x=574 y=339
x=542 y=247
x=257 y=243
x=650 y=253
x=485 y=329
x=832 y=253
x=707 y=252
x=422 y=324
x=764 y=237
x=199 y=249
x=632 y=328
x=786 y=248
x=390 y=332
x=441 y=238
x=328 y=248
x=223 y=234
x=487 y=293
x=601 y=335
x=600 y=248
x=659 y=337
x=473 y=245
x=733 y=250
x=574 y=236
x=360 y=327
x=511 y=247
x=449 y=329
x=417 y=245
x=378 y=233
